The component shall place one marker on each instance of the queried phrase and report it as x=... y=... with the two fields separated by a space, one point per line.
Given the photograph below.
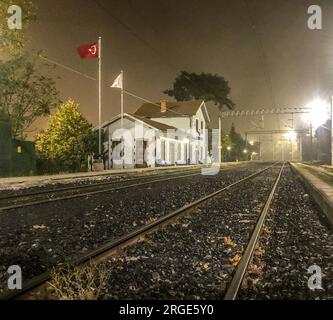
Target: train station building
x=168 y=133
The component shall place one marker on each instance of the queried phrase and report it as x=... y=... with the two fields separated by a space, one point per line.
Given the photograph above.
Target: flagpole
x=100 y=94
x=122 y=111
x=122 y=100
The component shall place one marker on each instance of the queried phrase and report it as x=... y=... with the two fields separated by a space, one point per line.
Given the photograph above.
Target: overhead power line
x=66 y=67
x=152 y=103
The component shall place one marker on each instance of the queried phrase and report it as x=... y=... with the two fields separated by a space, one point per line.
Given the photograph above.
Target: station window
x=163 y=150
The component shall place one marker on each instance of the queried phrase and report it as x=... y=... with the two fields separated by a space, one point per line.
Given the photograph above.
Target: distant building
x=173 y=133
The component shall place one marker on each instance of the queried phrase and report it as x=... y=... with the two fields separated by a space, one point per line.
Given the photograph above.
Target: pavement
x=319 y=182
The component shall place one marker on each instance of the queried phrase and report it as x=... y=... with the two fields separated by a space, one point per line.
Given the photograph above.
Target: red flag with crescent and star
x=88 y=51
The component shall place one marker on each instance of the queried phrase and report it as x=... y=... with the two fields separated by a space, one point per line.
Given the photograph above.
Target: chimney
x=164 y=108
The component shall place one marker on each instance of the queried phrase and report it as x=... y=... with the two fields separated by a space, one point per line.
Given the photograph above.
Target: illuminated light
x=186 y=140
x=229 y=148
x=251 y=142
x=19 y=149
x=245 y=151
x=291 y=136
x=319 y=113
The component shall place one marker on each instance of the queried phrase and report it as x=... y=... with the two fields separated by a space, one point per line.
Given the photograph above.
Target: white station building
x=169 y=133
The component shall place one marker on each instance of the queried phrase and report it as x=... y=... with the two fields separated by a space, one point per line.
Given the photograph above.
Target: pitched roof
x=152 y=123
x=174 y=109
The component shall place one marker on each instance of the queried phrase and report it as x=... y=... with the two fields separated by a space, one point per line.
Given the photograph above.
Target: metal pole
x=292 y=150
x=311 y=142
x=100 y=93
x=332 y=130
x=122 y=99
x=301 y=148
x=122 y=116
x=220 y=139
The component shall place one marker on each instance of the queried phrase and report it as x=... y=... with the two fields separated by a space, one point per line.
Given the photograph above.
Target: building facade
x=170 y=133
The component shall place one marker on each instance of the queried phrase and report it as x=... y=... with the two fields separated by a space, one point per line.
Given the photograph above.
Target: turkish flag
x=88 y=51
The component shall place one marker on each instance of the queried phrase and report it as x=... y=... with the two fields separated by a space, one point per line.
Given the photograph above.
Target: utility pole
x=100 y=150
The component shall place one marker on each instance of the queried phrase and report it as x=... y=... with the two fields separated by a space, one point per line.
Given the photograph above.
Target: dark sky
x=282 y=63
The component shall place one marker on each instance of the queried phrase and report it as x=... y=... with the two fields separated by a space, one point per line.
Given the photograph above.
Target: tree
x=225 y=143
x=12 y=40
x=238 y=145
x=205 y=86
x=69 y=138
x=25 y=93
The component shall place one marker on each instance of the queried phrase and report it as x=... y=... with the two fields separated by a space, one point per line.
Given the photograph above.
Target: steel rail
x=120 y=243
x=241 y=269
x=81 y=195
x=87 y=186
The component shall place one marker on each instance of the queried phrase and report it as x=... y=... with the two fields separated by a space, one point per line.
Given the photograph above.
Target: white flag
x=118 y=83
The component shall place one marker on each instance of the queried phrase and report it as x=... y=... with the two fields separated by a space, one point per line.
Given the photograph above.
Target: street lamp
x=319 y=113
x=291 y=136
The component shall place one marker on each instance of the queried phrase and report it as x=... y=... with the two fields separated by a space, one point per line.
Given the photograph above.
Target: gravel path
x=39 y=237
x=194 y=258
x=297 y=236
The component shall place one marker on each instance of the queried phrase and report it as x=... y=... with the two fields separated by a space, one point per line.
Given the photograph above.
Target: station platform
x=319 y=182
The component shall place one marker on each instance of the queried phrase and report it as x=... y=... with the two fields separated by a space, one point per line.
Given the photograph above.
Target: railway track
x=73 y=192
x=36 y=287
x=245 y=261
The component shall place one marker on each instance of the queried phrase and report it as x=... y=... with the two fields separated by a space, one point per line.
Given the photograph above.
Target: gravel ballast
x=297 y=236
x=195 y=257
x=39 y=237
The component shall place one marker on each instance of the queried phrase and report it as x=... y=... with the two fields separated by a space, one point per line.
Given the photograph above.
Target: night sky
x=262 y=47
